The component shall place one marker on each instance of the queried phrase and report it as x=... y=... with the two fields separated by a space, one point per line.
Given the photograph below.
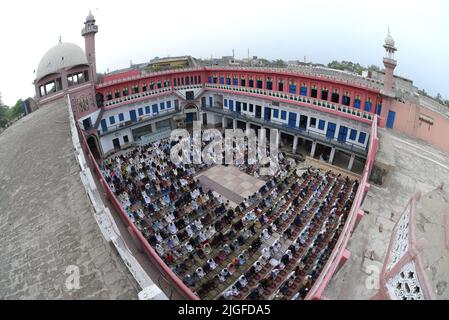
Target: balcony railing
x=140 y=120
x=143 y=95
x=307 y=134
x=321 y=104
x=313 y=73
x=137 y=96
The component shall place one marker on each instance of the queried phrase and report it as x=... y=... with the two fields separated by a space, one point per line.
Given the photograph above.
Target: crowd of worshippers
x=162 y=198
x=212 y=246
x=288 y=268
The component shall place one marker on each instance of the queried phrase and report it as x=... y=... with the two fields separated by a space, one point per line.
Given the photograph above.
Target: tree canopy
x=8 y=114
x=348 y=66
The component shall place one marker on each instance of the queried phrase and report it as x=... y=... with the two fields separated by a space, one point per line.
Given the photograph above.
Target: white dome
x=90 y=17
x=389 y=41
x=63 y=55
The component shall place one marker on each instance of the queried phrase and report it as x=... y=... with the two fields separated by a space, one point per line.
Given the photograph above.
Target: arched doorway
x=92 y=142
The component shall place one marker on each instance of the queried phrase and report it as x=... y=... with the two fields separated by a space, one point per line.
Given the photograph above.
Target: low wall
x=337 y=254
x=104 y=218
x=166 y=274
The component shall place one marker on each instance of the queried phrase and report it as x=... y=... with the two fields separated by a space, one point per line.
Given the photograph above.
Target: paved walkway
x=47 y=231
x=418 y=167
x=209 y=184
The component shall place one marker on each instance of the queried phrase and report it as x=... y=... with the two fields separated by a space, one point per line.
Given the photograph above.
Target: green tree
x=16 y=111
x=347 y=66
x=422 y=92
x=3 y=113
x=280 y=63
x=373 y=68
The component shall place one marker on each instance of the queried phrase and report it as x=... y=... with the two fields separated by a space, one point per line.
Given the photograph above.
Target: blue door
x=390 y=119
x=104 y=126
x=238 y=107
x=154 y=109
x=189 y=117
x=342 y=134
x=267 y=114
x=330 y=134
x=132 y=115
x=292 y=120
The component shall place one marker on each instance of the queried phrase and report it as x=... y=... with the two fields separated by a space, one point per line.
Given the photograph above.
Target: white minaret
x=88 y=32
x=390 y=63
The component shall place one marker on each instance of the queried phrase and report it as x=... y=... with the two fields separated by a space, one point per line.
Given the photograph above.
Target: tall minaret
x=389 y=63
x=88 y=32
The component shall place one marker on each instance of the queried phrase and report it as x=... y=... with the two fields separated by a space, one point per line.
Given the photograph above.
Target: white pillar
x=234 y=124
x=248 y=126
x=278 y=137
x=223 y=122
x=351 y=162
x=295 y=144
x=312 y=153
x=153 y=127
x=331 y=157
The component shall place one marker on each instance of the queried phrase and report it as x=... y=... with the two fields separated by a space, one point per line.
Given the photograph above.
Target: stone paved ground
x=419 y=167
x=46 y=221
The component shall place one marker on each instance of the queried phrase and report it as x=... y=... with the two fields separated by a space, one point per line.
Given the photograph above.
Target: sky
x=320 y=30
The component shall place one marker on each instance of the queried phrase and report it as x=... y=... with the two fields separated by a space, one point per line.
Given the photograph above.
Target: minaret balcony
x=89 y=29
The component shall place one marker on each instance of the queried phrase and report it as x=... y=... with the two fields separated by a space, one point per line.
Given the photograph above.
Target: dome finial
x=389 y=41
x=90 y=17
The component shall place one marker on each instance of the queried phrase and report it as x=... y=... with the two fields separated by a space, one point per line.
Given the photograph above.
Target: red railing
x=336 y=256
x=166 y=273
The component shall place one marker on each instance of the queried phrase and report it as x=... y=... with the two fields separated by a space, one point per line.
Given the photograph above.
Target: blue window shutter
x=112 y=119
x=321 y=124
x=147 y=110
x=154 y=107
x=275 y=113
x=368 y=106
x=379 y=109
x=225 y=102
x=121 y=117
x=362 y=137
x=104 y=126
x=284 y=115
x=292 y=89
x=353 y=135
x=162 y=104
x=140 y=110
x=168 y=104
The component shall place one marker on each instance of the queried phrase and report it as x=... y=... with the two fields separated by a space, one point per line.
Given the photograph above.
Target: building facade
x=318 y=113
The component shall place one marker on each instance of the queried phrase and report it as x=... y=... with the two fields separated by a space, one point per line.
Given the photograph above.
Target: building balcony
x=151 y=93
x=322 y=105
x=296 y=131
x=136 y=97
x=161 y=115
